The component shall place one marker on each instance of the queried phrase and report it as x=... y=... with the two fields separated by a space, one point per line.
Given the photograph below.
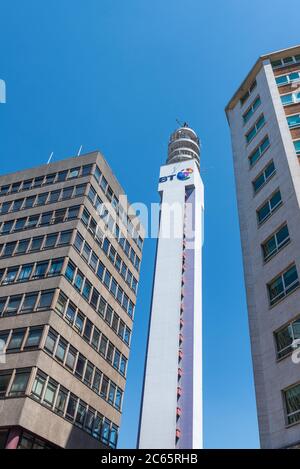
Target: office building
x=264 y=118
x=171 y=412
x=70 y=255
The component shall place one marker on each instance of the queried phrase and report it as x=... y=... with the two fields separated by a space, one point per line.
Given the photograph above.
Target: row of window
x=43 y=300
x=251 y=110
x=107 y=190
x=85 y=288
x=93 y=260
x=46 y=180
x=288 y=78
x=255 y=128
x=17 y=340
x=37 y=243
x=64 y=403
x=91 y=224
x=26 y=303
x=294 y=59
x=39 y=220
x=290 y=98
x=32 y=271
x=43 y=199
x=54 y=396
x=91 y=334
x=20 y=340
x=84 y=370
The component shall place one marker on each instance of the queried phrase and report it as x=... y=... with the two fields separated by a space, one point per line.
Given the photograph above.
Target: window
x=95 y=338
x=104 y=387
x=19 y=384
x=123 y=365
x=29 y=302
x=70 y=272
x=248 y=93
x=22 y=246
x=4 y=382
x=38 y=386
x=71 y=407
x=50 y=179
x=283 y=285
x=40 y=270
x=88 y=330
x=97 y=380
x=5 y=207
x=103 y=345
x=276 y=242
x=9 y=249
x=292 y=404
x=259 y=151
x=13 y=305
x=61 y=400
x=269 y=207
x=50 y=342
x=103 y=184
x=78 y=280
x=46 y=218
x=249 y=113
x=264 y=176
x=74 y=173
x=81 y=412
x=27 y=184
x=297 y=146
x=79 y=190
x=94 y=261
x=62 y=175
x=285 y=337
x=79 y=322
x=56 y=266
x=11 y=275
x=54 y=197
x=32 y=221
x=20 y=224
x=111 y=394
x=286 y=79
x=285 y=61
x=86 y=170
x=71 y=358
x=70 y=313
x=88 y=375
x=100 y=270
x=50 y=393
x=116 y=362
x=293 y=121
x=50 y=241
x=80 y=366
x=38 y=181
x=86 y=292
x=253 y=131
x=16 y=340
x=67 y=193
x=6 y=227
x=61 y=350
x=97 y=174
x=107 y=279
x=59 y=216
x=86 y=252
x=73 y=213
x=36 y=243
x=33 y=338
x=78 y=242
x=118 y=400
x=29 y=202
x=45 y=301
x=25 y=272
x=92 y=194
x=42 y=199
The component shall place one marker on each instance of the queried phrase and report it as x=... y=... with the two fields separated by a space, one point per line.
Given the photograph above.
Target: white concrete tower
x=171 y=411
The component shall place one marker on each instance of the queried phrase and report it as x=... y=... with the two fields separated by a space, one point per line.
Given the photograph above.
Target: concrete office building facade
x=69 y=270
x=264 y=118
x=171 y=412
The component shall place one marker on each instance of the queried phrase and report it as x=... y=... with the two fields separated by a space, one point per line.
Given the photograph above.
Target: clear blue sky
x=113 y=75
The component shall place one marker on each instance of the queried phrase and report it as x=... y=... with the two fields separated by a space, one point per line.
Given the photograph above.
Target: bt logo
x=182 y=175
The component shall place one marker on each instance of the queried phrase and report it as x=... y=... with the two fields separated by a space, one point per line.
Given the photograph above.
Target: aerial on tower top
x=184 y=145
